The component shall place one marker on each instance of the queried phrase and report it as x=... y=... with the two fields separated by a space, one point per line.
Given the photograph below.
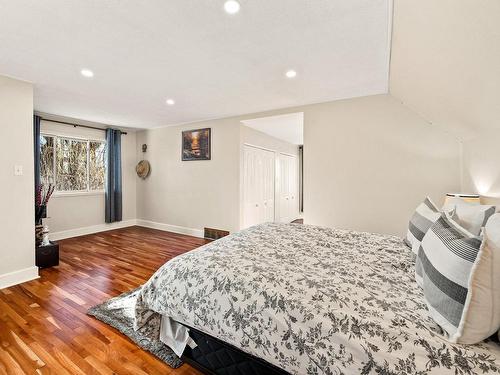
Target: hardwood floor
x=43 y=325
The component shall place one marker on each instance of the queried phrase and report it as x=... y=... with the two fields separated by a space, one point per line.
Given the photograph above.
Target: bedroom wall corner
x=445 y=62
x=17 y=254
x=62 y=220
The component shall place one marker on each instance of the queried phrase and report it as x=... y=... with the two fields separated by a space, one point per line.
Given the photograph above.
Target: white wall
x=187 y=196
x=446 y=65
x=82 y=213
x=445 y=62
x=368 y=162
x=190 y=194
x=17 y=253
x=364 y=159
x=481 y=167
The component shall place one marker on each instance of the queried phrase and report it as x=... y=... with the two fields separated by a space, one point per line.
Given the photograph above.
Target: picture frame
x=196 y=144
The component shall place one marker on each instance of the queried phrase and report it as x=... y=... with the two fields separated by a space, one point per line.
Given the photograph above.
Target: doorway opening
x=272 y=169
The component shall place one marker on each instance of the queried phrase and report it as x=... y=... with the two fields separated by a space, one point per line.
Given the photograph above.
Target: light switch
x=18 y=170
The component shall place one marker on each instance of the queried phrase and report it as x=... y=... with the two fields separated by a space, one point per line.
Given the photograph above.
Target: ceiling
x=211 y=63
x=288 y=128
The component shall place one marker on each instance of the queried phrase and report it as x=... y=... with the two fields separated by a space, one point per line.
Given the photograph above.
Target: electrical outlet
x=18 y=170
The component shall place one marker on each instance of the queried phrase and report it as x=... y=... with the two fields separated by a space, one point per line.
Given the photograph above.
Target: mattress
x=311 y=300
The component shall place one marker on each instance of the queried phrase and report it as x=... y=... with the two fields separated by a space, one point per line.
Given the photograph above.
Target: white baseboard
x=18 y=277
x=171 y=228
x=56 y=236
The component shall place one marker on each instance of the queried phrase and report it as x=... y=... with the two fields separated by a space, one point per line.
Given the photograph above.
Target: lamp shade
x=469 y=198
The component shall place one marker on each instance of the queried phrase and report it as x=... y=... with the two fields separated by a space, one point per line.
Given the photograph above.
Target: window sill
x=59 y=194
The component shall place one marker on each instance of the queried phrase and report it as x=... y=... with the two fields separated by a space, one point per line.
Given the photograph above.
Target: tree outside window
x=73 y=165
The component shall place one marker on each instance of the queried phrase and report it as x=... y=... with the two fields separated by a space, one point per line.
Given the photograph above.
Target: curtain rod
x=77 y=125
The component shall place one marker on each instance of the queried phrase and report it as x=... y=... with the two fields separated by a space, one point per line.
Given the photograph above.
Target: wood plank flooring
x=43 y=325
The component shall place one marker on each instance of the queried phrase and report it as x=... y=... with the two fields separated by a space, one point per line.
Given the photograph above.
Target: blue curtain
x=113 y=176
x=36 y=148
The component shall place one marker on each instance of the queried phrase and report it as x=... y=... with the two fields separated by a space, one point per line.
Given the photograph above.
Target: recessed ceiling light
x=87 y=73
x=291 y=74
x=170 y=101
x=232 y=7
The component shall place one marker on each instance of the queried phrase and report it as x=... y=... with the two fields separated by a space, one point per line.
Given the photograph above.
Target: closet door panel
x=258 y=189
x=249 y=193
x=293 y=189
x=268 y=188
x=287 y=188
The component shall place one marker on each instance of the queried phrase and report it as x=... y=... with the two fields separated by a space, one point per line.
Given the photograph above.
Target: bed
x=309 y=300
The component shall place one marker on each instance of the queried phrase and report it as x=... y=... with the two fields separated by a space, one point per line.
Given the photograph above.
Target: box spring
x=215 y=357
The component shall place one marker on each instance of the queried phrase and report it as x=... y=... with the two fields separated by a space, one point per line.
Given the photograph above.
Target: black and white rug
x=118 y=312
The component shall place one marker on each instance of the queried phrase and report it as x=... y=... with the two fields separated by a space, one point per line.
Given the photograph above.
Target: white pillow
x=451 y=202
x=424 y=216
x=472 y=216
x=481 y=317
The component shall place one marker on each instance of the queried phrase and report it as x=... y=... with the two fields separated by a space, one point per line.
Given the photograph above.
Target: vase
x=38 y=234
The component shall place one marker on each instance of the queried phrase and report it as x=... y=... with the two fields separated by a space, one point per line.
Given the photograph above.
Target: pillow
x=430 y=247
x=484 y=305
x=473 y=217
x=425 y=215
x=460 y=277
x=452 y=202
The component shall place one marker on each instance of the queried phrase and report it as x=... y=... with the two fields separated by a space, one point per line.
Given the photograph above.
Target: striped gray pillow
x=444 y=265
x=425 y=215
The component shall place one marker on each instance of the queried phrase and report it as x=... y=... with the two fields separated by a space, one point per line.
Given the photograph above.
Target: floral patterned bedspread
x=311 y=300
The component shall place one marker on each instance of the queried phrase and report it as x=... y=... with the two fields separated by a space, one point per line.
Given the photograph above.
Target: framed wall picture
x=196 y=144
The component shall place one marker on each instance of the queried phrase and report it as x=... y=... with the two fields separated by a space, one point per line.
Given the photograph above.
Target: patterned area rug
x=118 y=312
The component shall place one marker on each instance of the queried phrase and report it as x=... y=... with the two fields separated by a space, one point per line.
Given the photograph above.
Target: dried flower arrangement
x=42 y=197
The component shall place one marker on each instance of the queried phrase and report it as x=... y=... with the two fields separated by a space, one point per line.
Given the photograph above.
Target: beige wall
x=369 y=162
x=446 y=65
x=445 y=62
x=190 y=194
x=17 y=252
x=364 y=159
x=76 y=214
x=481 y=167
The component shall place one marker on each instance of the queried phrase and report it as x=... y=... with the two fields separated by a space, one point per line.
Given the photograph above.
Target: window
x=97 y=166
x=73 y=165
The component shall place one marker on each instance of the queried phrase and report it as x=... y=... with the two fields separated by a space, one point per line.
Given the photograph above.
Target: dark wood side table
x=47 y=256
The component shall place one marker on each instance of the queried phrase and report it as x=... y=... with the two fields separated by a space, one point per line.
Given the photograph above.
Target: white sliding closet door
x=258 y=186
x=288 y=209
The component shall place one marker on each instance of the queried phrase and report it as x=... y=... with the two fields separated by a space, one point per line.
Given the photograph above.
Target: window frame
x=87 y=140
